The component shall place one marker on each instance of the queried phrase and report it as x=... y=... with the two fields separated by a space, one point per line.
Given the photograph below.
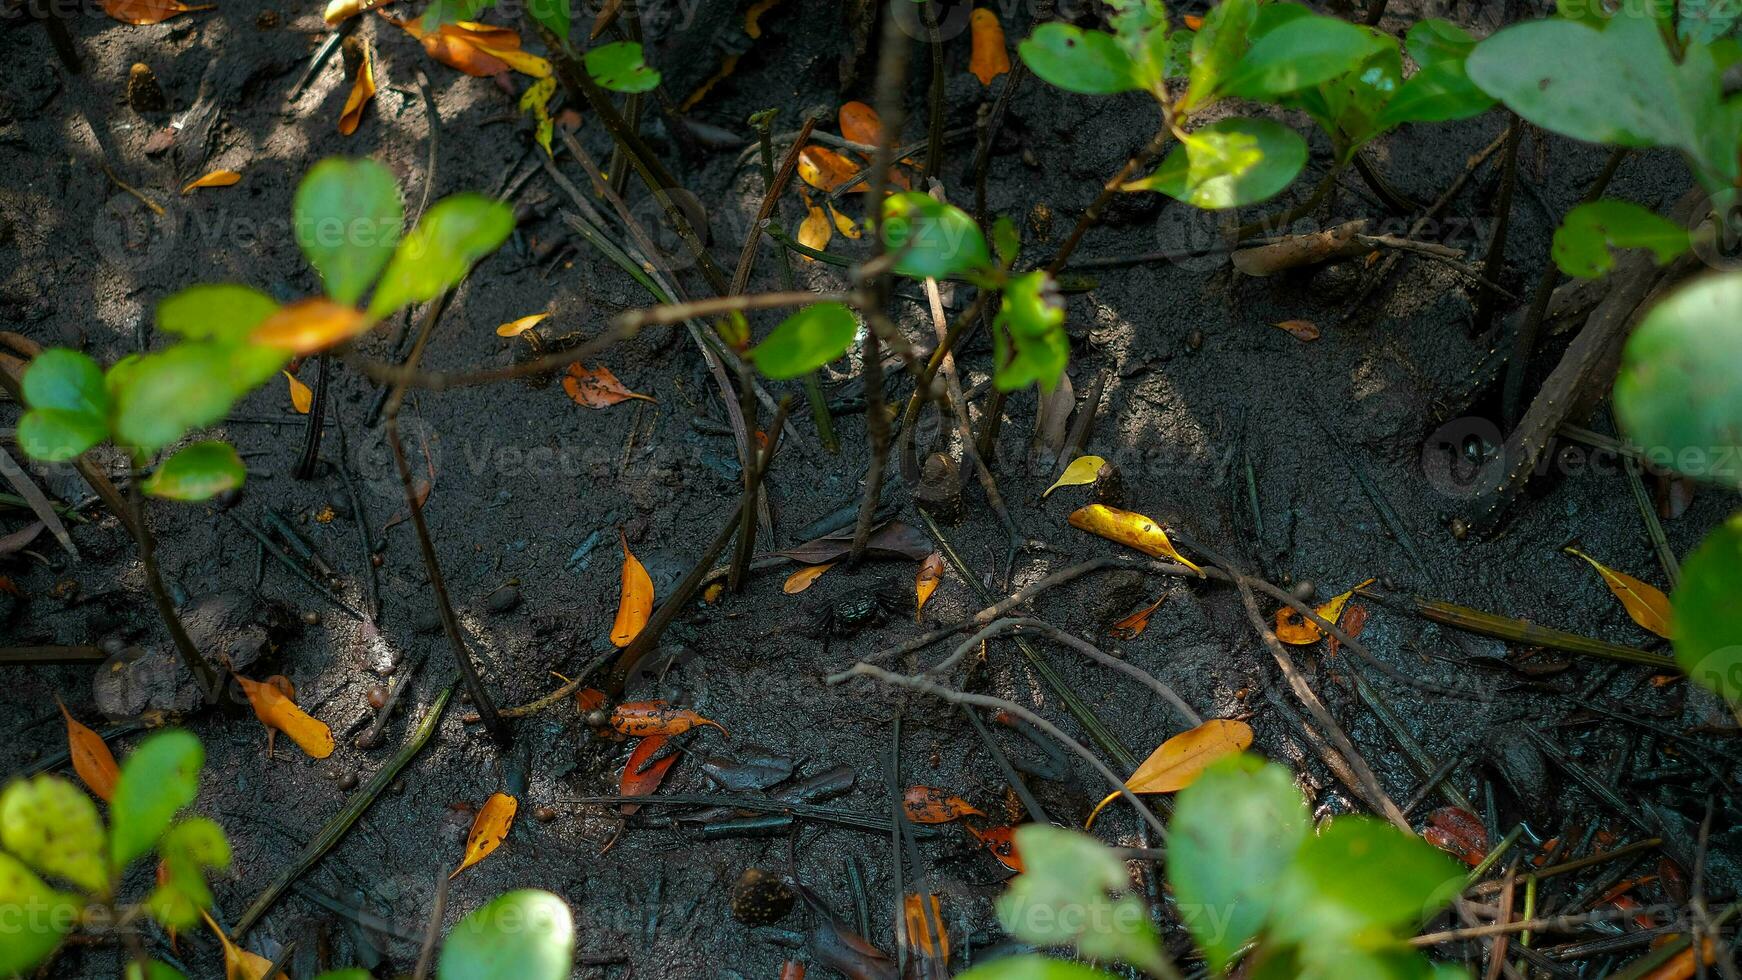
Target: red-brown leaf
x=928 y=804
x=597 y=387
x=640 y=776
x=656 y=718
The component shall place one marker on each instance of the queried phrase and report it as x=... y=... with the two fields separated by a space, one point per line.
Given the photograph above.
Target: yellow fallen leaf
x=278 y=712
x=804 y=578
x=635 y=605
x=309 y=325
x=339 y=11
x=489 y=829
x=1297 y=630
x=217 y=178
x=240 y=964
x=515 y=328
x=814 y=232
x=989 y=56
x=1083 y=469
x=362 y=90
x=1179 y=761
x=1648 y=606
x=91 y=757
x=931 y=571
x=1130 y=529
x=536 y=100
x=301 y=398
x=846 y=226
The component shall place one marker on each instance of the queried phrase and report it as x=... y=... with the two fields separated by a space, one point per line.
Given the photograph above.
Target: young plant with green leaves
x=1253 y=883
x=618 y=66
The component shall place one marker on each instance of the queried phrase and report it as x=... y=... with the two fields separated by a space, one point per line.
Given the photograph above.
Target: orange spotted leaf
x=1296 y=630
x=990 y=56
x=643 y=773
x=923 y=929
x=656 y=718
x=928 y=804
x=1001 y=842
x=635 y=605
x=825 y=169
x=1130 y=529
x=597 y=387
x=1179 y=761
x=489 y=828
x=91 y=757
x=279 y=712
x=931 y=572
x=1645 y=603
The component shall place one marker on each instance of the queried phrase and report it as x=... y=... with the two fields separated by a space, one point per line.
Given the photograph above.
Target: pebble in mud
x=544 y=814
x=311 y=618
x=760 y=898
x=348 y=781
x=503 y=599
x=1304 y=589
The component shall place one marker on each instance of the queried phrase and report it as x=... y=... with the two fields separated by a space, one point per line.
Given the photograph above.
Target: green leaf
x=1006 y=240
x=352 y=973
x=1299 y=53
x=1434 y=41
x=553 y=14
x=160 y=778
x=1234 y=832
x=35 y=916
x=441 y=12
x=348 y=217
x=805 y=341
x=51 y=825
x=1140 y=27
x=1228 y=164
x=188 y=849
x=1029 y=334
x=1217 y=47
x=620 y=67
x=154 y=970
x=1707 y=21
x=1438 y=93
x=69 y=406
x=456 y=232
x=1708 y=619
x=197 y=472
x=1583 y=242
x=1348 y=107
x=1062 y=898
x=223 y=312
x=1032 y=967
x=159 y=397
x=1358 y=881
x=934 y=240
x=1679 y=391
x=522 y=935
x=1085 y=62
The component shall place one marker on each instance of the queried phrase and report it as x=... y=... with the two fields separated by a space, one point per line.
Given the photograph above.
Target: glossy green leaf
x=1348 y=106
x=1140 y=27
x=69 y=406
x=197 y=472
x=453 y=234
x=160 y=396
x=223 y=312
x=1006 y=240
x=1708 y=619
x=1074 y=892
x=1032 y=967
x=1029 y=339
x=160 y=778
x=37 y=917
x=1439 y=93
x=805 y=341
x=1299 y=53
x=1678 y=394
x=553 y=14
x=154 y=970
x=188 y=850
x=1086 y=62
x=1359 y=879
x=620 y=67
x=522 y=935
x=1435 y=41
x=353 y=973
x=441 y=12
x=348 y=218
x=1706 y=21
x=1229 y=163
x=1583 y=242
x=1234 y=833
x=1216 y=48
x=932 y=239
x=51 y=825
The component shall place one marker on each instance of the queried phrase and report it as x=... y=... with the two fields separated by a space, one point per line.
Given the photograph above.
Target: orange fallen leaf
x=931 y=572
x=1644 y=602
x=362 y=90
x=1193 y=22
x=276 y=711
x=635 y=604
x=91 y=757
x=309 y=325
x=1296 y=630
x=1354 y=620
x=843 y=224
x=642 y=774
x=240 y=964
x=1459 y=833
x=656 y=718
x=804 y=578
x=825 y=169
x=515 y=328
x=1179 y=761
x=1132 y=626
x=489 y=828
x=1681 y=966
x=861 y=124
x=1130 y=529
x=990 y=57
x=815 y=230
x=1302 y=329
x=923 y=927
x=929 y=805
x=1001 y=842
x=476 y=49
x=217 y=178
x=597 y=387
x=589 y=699
x=302 y=398
x=148 y=11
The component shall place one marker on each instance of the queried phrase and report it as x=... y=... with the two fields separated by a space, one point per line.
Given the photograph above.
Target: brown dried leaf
x=91 y=757
x=489 y=828
x=597 y=387
x=1302 y=329
x=931 y=572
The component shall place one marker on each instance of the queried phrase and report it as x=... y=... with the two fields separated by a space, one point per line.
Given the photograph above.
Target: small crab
x=862 y=610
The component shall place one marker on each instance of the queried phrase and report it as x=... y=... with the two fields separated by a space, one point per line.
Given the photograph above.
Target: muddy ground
x=530 y=491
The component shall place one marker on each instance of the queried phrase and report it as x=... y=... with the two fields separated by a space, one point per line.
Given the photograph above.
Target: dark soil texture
x=1310 y=463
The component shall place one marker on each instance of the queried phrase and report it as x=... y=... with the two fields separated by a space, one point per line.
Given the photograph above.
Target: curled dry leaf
x=1459 y=833
x=1001 y=842
x=1353 y=622
x=240 y=964
x=310 y=325
x=635 y=604
x=891 y=540
x=923 y=930
x=656 y=718
x=1132 y=626
x=929 y=805
x=362 y=90
x=489 y=828
x=804 y=578
x=277 y=711
x=1179 y=761
x=815 y=230
x=643 y=773
x=861 y=124
x=597 y=387
x=91 y=757
x=302 y=398
x=515 y=328
x=1296 y=630
x=589 y=699
x=990 y=57
x=1083 y=470
x=1302 y=329
x=1130 y=529
x=476 y=49
x=1647 y=606
x=931 y=572
x=217 y=178
x=825 y=169
x=148 y=11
